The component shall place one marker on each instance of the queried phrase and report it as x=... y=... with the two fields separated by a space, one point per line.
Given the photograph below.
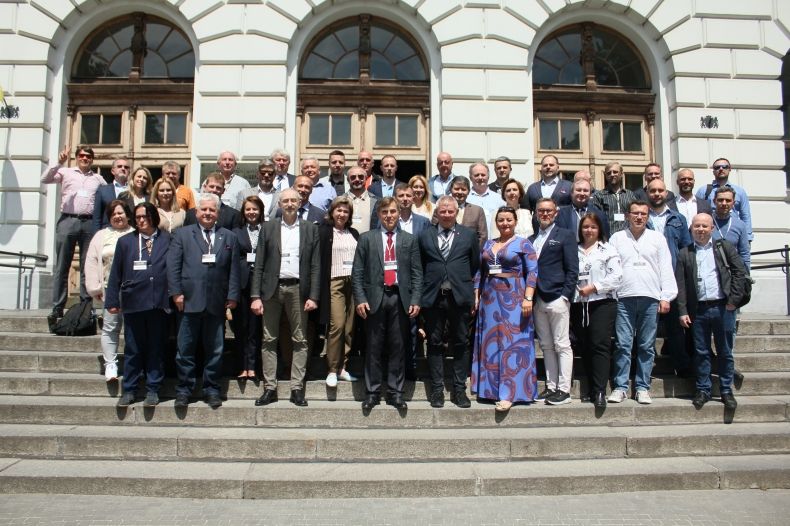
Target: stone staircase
x=60 y=432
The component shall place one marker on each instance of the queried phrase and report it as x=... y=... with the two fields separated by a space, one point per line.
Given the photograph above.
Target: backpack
x=747 y=282
x=79 y=320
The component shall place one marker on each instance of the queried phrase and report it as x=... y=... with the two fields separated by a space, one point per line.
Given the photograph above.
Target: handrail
x=785 y=253
x=40 y=258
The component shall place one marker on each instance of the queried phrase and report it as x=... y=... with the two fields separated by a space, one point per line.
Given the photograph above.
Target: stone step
x=755 y=323
x=346 y=414
x=93 y=384
x=390 y=445
x=409 y=479
x=763 y=362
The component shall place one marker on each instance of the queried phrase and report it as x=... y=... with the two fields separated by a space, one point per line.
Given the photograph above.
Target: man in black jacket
x=711 y=281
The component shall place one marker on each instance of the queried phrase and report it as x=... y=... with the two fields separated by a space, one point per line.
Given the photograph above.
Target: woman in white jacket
x=98 y=261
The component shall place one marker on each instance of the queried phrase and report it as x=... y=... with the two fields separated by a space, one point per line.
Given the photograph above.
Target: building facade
x=678 y=82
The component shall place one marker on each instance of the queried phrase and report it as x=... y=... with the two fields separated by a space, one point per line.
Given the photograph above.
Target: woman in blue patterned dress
x=503 y=362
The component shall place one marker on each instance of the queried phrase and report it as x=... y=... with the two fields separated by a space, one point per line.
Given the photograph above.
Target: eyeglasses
x=137 y=218
x=612 y=172
x=355 y=177
x=121 y=167
x=544 y=211
x=84 y=156
x=721 y=167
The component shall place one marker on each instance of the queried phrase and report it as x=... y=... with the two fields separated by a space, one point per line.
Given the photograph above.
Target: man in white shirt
x=364 y=203
x=647 y=289
x=265 y=188
x=481 y=194
x=235 y=185
x=686 y=202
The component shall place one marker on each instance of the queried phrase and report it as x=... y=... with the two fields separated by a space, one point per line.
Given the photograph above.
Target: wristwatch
x=528 y=298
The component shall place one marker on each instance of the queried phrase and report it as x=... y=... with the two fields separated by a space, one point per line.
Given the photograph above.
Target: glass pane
x=92 y=66
x=349 y=37
x=407 y=131
x=611 y=136
x=154 y=128
x=341 y=129
x=316 y=67
x=319 y=129
x=634 y=181
x=571 y=43
x=111 y=130
x=122 y=64
x=570 y=134
x=347 y=68
x=330 y=49
x=379 y=38
x=106 y=49
x=183 y=67
x=572 y=73
x=123 y=35
x=632 y=136
x=385 y=130
x=89 y=133
x=411 y=69
x=399 y=50
x=616 y=63
x=548 y=135
x=154 y=66
x=543 y=73
x=176 y=128
x=380 y=67
x=155 y=34
x=552 y=53
x=174 y=46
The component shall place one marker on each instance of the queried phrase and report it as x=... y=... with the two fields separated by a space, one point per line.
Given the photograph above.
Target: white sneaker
x=617 y=396
x=331 y=380
x=111 y=372
x=346 y=376
x=643 y=397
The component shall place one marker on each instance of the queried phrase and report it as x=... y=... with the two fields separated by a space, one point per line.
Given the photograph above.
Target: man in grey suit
x=203 y=278
x=286 y=277
x=450 y=256
x=386 y=279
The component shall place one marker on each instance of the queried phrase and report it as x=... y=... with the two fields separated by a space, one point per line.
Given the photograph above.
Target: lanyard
x=724 y=234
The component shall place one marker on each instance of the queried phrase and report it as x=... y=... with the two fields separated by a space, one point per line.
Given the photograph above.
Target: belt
x=505 y=275
x=445 y=292
x=81 y=217
x=710 y=303
x=391 y=289
x=289 y=281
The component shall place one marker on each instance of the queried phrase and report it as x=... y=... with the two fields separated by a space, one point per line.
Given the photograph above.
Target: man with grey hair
x=323 y=193
x=265 y=188
x=481 y=195
x=235 y=185
x=502 y=169
x=282 y=160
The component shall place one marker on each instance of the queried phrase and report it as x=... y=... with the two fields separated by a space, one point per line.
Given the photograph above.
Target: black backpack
x=747 y=284
x=79 y=320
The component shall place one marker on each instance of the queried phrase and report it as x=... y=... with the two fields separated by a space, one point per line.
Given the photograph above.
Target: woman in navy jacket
x=137 y=287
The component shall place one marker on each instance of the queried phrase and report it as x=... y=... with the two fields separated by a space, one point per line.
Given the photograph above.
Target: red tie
x=389 y=257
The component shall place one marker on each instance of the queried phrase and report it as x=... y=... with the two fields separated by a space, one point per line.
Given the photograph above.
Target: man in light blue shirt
x=721 y=176
x=727 y=225
x=439 y=184
x=323 y=193
x=481 y=194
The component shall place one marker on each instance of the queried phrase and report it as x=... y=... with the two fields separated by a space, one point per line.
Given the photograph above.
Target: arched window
x=131 y=92
x=363 y=84
x=593 y=102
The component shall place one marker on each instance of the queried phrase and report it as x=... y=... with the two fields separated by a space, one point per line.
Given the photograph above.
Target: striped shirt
x=614 y=203
x=343 y=247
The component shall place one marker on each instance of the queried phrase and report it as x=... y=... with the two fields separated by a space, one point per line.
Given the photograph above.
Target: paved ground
x=687 y=508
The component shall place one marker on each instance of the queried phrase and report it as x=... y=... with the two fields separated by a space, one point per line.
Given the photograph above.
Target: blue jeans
x=637 y=320
x=714 y=318
x=210 y=330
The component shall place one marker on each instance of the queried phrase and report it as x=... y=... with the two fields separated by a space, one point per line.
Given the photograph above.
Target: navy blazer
x=245 y=247
x=138 y=290
x=104 y=196
x=206 y=287
x=558 y=265
x=565 y=218
x=418 y=224
x=561 y=195
x=227 y=217
x=459 y=269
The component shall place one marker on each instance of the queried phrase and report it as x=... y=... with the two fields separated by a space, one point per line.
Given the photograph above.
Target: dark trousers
x=69 y=232
x=446 y=311
x=675 y=342
x=593 y=326
x=209 y=329
x=145 y=335
x=248 y=332
x=387 y=333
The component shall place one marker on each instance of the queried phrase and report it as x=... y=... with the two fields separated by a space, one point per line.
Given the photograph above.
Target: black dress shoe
x=729 y=401
x=437 y=399
x=268 y=396
x=461 y=400
x=126 y=400
x=182 y=400
x=396 y=401
x=213 y=401
x=297 y=398
x=700 y=399
x=370 y=402
x=599 y=400
x=737 y=379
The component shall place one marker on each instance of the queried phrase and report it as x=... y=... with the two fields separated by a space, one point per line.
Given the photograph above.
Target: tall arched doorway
x=130 y=93
x=363 y=85
x=593 y=103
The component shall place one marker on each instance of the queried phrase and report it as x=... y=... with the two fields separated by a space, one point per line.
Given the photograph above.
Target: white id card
x=250 y=257
x=140 y=265
x=640 y=265
x=584 y=277
x=83 y=193
x=209 y=258
x=356 y=218
x=390 y=265
x=494 y=269
x=619 y=217
x=347 y=265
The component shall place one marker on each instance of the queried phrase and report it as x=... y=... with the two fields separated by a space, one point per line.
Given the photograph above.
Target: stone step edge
x=388 y=445
x=333 y=480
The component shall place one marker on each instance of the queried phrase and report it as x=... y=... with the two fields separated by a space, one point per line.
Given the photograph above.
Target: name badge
x=584 y=277
x=619 y=217
x=390 y=265
x=83 y=193
x=250 y=257
x=494 y=269
x=209 y=258
x=140 y=265
x=356 y=218
x=641 y=265
x=265 y=217
x=347 y=265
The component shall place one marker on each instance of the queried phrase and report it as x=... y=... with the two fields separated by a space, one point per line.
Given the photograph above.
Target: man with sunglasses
x=75 y=225
x=364 y=218
x=721 y=176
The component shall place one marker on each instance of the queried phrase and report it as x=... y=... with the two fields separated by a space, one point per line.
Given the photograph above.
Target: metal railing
x=23 y=298
x=785 y=253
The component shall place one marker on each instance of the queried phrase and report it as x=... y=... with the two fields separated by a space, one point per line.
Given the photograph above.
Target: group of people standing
x=474 y=267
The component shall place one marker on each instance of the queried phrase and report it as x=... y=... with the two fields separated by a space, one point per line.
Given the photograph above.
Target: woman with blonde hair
x=139 y=188
x=422 y=203
x=163 y=197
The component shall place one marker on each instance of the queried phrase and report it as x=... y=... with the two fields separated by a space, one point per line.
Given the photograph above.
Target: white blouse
x=603 y=269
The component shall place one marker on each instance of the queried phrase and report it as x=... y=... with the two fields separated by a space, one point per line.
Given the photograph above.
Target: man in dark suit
x=469 y=215
x=686 y=202
x=709 y=289
x=227 y=217
x=550 y=185
x=386 y=280
x=569 y=216
x=286 y=278
x=282 y=161
x=107 y=193
x=652 y=172
x=558 y=270
x=450 y=256
x=203 y=278
x=385 y=185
